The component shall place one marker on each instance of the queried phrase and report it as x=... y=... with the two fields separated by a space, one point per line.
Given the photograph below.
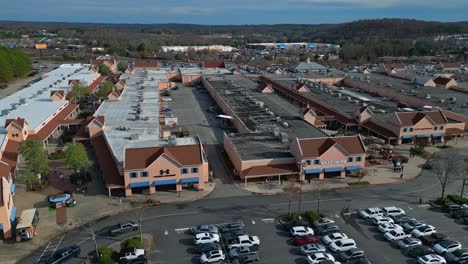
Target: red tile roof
x=95 y=83
x=214 y=64
x=10 y=154
x=4 y=172
x=454 y=131
x=73 y=121
x=442 y=80
x=146 y=64
x=108 y=167
x=454 y=65
x=60 y=93
x=315 y=147
x=141 y=158
x=96 y=62
x=274 y=169
x=17 y=121
x=52 y=125
x=376 y=128
x=412 y=118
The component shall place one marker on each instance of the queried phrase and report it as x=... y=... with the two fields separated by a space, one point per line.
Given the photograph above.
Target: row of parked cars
x=324 y=243
x=418 y=239
x=225 y=243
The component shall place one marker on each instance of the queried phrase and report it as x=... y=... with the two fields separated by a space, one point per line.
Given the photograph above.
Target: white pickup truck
x=396 y=234
x=131 y=254
x=244 y=240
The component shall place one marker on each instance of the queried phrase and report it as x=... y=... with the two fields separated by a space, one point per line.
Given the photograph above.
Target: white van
x=393 y=211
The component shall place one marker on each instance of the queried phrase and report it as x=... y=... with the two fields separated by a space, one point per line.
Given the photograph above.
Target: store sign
x=333 y=162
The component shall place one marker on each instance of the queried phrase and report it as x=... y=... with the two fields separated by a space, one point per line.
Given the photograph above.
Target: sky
x=233 y=12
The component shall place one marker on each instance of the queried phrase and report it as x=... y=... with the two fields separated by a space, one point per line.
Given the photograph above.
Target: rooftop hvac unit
x=278 y=119
x=271 y=113
x=284 y=137
x=14 y=106
x=285 y=124
x=428 y=96
x=172 y=140
x=137 y=117
x=5 y=112
x=453 y=99
x=50 y=86
x=134 y=137
x=146 y=118
x=260 y=104
x=39 y=92
x=356 y=102
x=276 y=131
x=339 y=94
x=22 y=100
x=442 y=100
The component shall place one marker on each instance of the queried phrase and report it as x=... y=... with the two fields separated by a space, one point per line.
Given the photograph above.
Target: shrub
x=312 y=216
x=443 y=201
x=134 y=242
x=294 y=217
x=57 y=155
x=457 y=199
x=105 y=255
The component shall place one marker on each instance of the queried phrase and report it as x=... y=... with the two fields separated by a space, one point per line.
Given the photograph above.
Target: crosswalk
x=49 y=250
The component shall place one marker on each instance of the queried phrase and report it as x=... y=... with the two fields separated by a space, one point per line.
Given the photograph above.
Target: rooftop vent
x=284 y=137
x=134 y=137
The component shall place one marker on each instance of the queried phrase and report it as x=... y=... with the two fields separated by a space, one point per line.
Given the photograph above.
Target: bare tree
x=465 y=179
x=447 y=170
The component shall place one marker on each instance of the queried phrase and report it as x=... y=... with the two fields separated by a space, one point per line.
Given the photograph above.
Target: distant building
x=219 y=48
x=392 y=67
x=307 y=67
x=453 y=66
x=424 y=81
x=40 y=46
x=444 y=82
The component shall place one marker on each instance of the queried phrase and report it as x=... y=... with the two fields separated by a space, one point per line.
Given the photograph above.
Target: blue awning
x=13 y=214
x=189 y=180
x=351 y=168
x=437 y=135
x=333 y=169
x=139 y=184
x=407 y=136
x=1 y=226
x=423 y=136
x=12 y=188
x=165 y=182
x=309 y=171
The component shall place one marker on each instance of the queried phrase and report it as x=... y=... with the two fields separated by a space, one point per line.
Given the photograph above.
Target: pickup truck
x=241 y=251
x=244 y=240
x=130 y=254
x=124 y=228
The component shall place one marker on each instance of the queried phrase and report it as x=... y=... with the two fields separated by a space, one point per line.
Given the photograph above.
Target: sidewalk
x=379 y=174
x=89 y=207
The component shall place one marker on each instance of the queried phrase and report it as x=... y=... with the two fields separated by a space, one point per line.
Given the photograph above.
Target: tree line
x=13 y=64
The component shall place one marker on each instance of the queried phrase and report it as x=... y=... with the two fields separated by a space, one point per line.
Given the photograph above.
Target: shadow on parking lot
x=379 y=237
x=192 y=250
x=283 y=234
x=374 y=229
x=295 y=251
x=186 y=241
x=300 y=260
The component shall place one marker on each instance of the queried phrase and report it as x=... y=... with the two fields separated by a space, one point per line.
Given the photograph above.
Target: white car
x=319 y=257
x=431 y=259
x=312 y=248
x=384 y=228
x=378 y=220
x=323 y=221
x=333 y=237
x=396 y=234
x=301 y=231
x=342 y=245
x=203 y=238
x=212 y=256
x=371 y=212
x=446 y=246
x=166 y=99
x=424 y=230
x=392 y=211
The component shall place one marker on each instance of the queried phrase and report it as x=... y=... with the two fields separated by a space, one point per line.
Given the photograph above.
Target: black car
x=460 y=214
x=419 y=251
x=207 y=247
x=232 y=235
x=327 y=228
x=450 y=207
x=247 y=259
x=232 y=227
x=292 y=224
x=457 y=256
x=401 y=219
x=433 y=239
x=362 y=260
x=139 y=260
x=64 y=254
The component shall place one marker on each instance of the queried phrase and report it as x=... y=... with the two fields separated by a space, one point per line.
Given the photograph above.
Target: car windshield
x=339 y=243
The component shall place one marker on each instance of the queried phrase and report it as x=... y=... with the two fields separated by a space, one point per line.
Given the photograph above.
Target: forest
x=13 y=64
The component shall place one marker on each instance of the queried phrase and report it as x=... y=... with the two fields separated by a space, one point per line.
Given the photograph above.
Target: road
x=172 y=245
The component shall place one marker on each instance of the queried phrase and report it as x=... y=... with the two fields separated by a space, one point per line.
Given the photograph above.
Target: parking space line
x=182 y=229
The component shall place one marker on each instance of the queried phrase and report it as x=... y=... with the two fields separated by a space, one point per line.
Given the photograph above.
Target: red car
x=303 y=240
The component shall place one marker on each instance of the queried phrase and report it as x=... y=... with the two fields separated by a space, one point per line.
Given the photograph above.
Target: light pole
x=318 y=198
x=301 y=173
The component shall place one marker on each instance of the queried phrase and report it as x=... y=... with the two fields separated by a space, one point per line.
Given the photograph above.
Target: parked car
x=362 y=260
x=204 y=229
x=124 y=228
x=457 y=256
x=243 y=241
x=333 y=237
x=139 y=260
x=292 y=224
x=212 y=256
x=463 y=213
x=312 y=248
x=384 y=228
x=353 y=253
x=431 y=259
x=409 y=226
x=130 y=254
x=234 y=234
x=342 y=245
x=247 y=259
x=433 y=239
x=166 y=99
x=408 y=242
x=64 y=254
x=396 y=234
x=424 y=230
x=323 y=221
x=450 y=207
x=327 y=228
x=232 y=227
x=207 y=247
x=241 y=251
x=316 y=258
x=301 y=231
x=392 y=211
x=206 y=238
x=446 y=246
x=419 y=251
x=378 y=220
x=370 y=212
x=401 y=219
x=303 y=240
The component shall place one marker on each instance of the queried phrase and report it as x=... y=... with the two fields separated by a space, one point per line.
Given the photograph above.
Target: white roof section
x=134 y=120
x=26 y=218
x=34 y=104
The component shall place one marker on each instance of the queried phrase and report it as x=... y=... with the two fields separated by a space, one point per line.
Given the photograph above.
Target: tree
x=29 y=148
x=78 y=92
x=121 y=67
x=447 y=169
x=104 y=70
x=36 y=160
x=13 y=64
x=465 y=179
x=105 y=89
x=76 y=157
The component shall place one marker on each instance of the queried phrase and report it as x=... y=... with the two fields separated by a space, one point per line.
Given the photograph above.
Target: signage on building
x=333 y=162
